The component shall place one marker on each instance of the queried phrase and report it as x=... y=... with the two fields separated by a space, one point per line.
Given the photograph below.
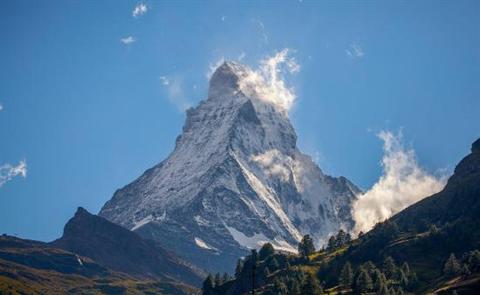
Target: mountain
x=235 y=180
x=122 y=250
x=409 y=251
x=458 y=202
x=32 y=267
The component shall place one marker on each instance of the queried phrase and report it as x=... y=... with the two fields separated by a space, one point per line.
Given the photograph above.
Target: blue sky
x=89 y=113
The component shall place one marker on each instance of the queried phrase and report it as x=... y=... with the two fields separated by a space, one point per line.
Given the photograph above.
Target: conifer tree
x=384 y=290
x=218 y=279
x=208 y=285
x=279 y=287
x=332 y=242
x=399 y=291
x=266 y=272
x=306 y=247
x=225 y=278
x=412 y=281
x=311 y=286
x=346 y=276
x=389 y=268
x=274 y=265
x=452 y=266
x=403 y=279
x=364 y=282
x=238 y=268
x=266 y=251
x=406 y=269
x=379 y=280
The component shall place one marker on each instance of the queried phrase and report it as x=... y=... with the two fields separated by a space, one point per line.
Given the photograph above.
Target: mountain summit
x=235 y=180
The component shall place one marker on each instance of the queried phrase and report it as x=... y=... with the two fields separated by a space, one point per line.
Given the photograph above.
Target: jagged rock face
x=235 y=179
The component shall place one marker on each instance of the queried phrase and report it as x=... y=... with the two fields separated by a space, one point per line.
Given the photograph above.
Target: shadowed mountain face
x=122 y=250
x=31 y=267
x=459 y=202
x=234 y=181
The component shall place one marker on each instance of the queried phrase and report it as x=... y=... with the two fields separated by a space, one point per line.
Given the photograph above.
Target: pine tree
x=266 y=272
x=378 y=279
x=452 y=266
x=403 y=279
x=332 y=242
x=364 y=282
x=384 y=290
x=389 y=268
x=346 y=276
x=406 y=269
x=306 y=247
x=239 y=268
x=294 y=288
x=399 y=291
x=266 y=251
x=225 y=278
x=311 y=286
x=341 y=239
x=274 y=265
x=433 y=229
x=279 y=288
x=218 y=279
x=208 y=285
x=472 y=259
x=412 y=281
x=369 y=267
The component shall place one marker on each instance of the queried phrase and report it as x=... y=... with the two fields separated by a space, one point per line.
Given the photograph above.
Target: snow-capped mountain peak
x=235 y=180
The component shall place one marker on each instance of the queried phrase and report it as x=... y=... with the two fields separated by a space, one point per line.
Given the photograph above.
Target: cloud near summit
x=267 y=80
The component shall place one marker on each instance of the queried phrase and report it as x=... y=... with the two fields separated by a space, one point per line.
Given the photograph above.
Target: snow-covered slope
x=235 y=180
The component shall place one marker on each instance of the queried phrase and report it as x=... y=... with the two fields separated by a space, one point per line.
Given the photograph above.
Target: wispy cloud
x=175 y=93
x=8 y=171
x=139 y=10
x=263 y=32
x=355 y=51
x=267 y=82
x=403 y=183
x=165 y=81
x=274 y=163
x=223 y=18
x=128 y=40
x=241 y=56
x=1 y=107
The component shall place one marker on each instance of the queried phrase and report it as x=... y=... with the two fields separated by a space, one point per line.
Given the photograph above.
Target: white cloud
x=274 y=163
x=7 y=171
x=175 y=93
x=355 y=51
x=223 y=18
x=263 y=32
x=1 y=107
x=241 y=56
x=268 y=83
x=165 y=81
x=128 y=40
x=139 y=10
x=403 y=183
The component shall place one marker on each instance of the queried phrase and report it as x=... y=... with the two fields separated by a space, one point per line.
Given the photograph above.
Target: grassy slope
x=29 y=267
